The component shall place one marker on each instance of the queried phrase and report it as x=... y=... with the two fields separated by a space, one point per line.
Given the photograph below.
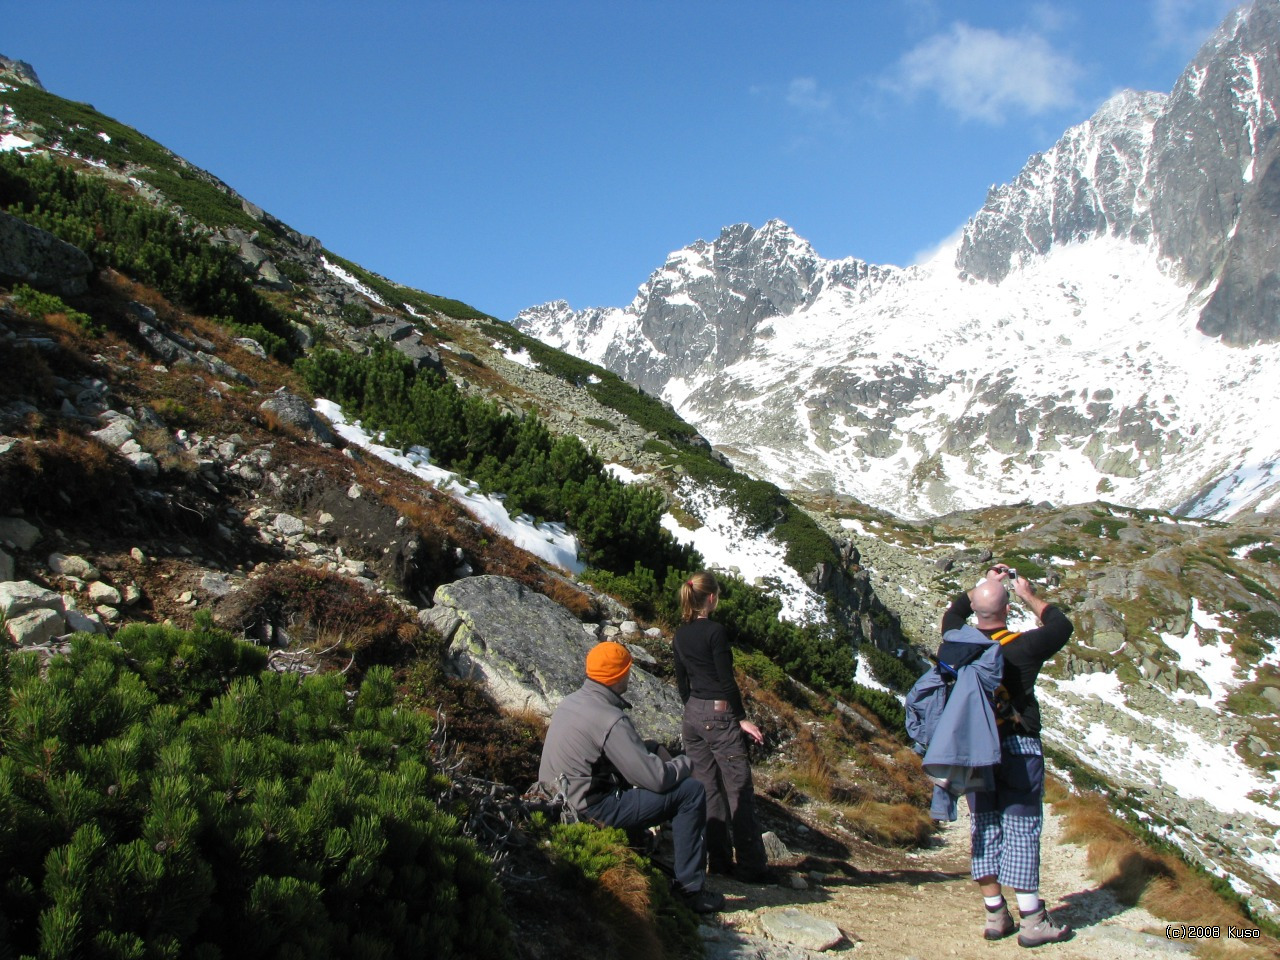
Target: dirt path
x=923 y=905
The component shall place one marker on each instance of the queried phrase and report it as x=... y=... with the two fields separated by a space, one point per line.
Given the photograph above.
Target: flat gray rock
x=794 y=926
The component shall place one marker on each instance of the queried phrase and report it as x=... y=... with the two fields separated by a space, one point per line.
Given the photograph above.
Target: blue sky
x=509 y=153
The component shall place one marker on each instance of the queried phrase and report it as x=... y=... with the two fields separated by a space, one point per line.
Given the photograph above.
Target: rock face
x=31 y=255
x=705 y=305
x=529 y=652
x=1195 y=173
x=1056 y=354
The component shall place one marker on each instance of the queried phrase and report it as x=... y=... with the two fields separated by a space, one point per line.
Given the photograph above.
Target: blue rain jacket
x=957 y=734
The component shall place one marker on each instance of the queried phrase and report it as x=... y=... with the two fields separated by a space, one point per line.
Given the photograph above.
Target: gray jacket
x=589 y=738
x=956 y=729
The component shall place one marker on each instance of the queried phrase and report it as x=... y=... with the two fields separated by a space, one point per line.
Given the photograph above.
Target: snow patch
x=551 y=542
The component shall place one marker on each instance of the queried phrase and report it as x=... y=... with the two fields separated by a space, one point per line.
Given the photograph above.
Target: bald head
x=990 y=603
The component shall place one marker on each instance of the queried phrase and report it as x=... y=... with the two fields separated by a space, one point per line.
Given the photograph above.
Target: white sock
x=1028 y=902
x=993 y=903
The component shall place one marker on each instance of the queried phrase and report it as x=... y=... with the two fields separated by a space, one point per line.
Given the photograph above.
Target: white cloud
x=945 y=247
x=805 y=95
x=987 y=75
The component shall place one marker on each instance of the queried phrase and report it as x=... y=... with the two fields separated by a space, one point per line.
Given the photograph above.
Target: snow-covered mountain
x=1108 y=324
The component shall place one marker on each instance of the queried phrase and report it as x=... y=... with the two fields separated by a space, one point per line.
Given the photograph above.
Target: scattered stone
x=791 y=925
x=214 y=584
x=101 y=592
x=18 y=532
x=19 y=596
x=726 y=943
x=83 y=623
x=774 y=848
x=35 y=626
x=288 y=525
x=294 y=412
x=73 y=567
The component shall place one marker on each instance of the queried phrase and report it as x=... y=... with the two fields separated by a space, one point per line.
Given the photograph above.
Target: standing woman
x=715 y=731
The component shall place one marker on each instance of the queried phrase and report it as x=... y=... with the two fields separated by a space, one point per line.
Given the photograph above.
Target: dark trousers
x=718 y=748
x=684 y=805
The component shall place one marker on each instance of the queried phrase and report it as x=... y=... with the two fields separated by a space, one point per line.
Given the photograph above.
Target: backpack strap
x=1000 y=697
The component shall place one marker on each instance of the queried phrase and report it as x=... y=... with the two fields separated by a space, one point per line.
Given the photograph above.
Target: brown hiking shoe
x=1039 y=928
x=999 y=923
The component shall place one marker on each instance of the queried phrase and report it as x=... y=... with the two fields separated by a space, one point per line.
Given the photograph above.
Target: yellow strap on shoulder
x=1005 y=636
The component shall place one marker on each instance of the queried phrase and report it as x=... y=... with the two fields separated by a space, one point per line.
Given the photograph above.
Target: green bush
x=293 y=272
x=272 y=344
x=763 y=670
x=39 y=305
x=548 y=478
x=159 y=797
x=394 y=295
x=584 y=853
x=1104 y=527
x=150 y=245
x=886 y=668
x=77 y=125
x=885 y=706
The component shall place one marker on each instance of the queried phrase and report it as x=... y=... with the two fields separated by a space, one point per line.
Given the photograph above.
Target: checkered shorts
x=1005 y=824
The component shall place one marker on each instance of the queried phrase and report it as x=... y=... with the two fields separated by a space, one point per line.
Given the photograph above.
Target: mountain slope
x=1105 y=326
x=148 y=439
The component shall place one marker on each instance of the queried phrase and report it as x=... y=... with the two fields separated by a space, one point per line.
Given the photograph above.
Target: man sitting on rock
x=1005 y=823
x=595 y=757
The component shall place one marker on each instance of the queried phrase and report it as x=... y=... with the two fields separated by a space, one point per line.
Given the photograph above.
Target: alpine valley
x=1107 y=324
x=1105 y=330
x=210 y=422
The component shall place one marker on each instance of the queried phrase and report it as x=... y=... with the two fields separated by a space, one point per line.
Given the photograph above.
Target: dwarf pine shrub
x=161 y=796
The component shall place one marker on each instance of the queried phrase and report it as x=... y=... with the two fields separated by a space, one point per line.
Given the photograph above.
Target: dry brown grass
x=889 y=824
x=529 y=718
x=810 y=771
x=580 y=604
x=64 y=475
x=624 y=897
x=1159 y=882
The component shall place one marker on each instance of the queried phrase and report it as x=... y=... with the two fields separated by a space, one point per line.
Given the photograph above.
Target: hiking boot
x=1039 y=928
x=999 y=922
x=703 y=901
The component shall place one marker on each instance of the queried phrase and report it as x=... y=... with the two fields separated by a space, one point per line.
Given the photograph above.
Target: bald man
x=1005 y=823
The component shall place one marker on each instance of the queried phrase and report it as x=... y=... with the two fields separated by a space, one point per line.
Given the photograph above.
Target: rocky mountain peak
x=20 y=71
x=1074 y=347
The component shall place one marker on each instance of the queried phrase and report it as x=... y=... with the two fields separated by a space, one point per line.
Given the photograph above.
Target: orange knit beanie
x=608 y=662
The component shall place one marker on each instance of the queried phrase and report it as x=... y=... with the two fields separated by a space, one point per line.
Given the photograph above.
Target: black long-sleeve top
x=704 y=665
x=1023 y=657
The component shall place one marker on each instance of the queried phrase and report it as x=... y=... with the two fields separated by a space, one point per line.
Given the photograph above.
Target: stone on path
x=794 y=926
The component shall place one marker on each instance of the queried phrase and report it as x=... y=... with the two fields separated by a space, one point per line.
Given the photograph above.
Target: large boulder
x=530 y=652
x=294 y=412
x=19 y=596
x=31 y=255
